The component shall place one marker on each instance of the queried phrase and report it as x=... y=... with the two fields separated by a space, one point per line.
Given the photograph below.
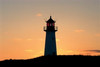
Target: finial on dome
x=50 y=17
x=50 y=20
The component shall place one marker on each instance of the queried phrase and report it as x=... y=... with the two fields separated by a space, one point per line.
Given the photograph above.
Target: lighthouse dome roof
x=50 y=20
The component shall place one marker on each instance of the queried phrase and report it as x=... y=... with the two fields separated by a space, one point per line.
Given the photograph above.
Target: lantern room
x=50 y=22
x=50 y=25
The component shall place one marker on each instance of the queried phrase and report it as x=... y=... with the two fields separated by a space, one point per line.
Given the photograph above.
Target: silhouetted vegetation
x=61 y=59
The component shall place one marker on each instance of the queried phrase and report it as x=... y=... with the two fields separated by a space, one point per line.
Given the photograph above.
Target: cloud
x=97 y=51
x=17 y=39
x=98 y=35
x=22 y=39
x=29 y=39
x=70 y=51
x=28 y=50
x=79 y=30
x=39 y=15
x=6 y=33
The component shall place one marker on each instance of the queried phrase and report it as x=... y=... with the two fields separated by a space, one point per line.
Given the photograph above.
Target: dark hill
x=65 y=60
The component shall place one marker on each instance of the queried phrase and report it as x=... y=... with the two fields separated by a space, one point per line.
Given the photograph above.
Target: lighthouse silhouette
x=50 y=42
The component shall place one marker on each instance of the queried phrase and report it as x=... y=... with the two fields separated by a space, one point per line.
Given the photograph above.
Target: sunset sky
x=22 y=22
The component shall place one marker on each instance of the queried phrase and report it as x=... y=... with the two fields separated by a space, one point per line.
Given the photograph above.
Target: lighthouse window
x=47 y=24
x=53 y=24
x=50 y=24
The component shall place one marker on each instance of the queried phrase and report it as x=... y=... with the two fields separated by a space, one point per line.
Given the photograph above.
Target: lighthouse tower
x=50 y=42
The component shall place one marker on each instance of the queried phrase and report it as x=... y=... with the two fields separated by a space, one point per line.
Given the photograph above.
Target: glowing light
x=39 y=14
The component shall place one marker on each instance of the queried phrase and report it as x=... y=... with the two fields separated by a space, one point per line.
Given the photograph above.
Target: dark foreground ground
x=58 y=60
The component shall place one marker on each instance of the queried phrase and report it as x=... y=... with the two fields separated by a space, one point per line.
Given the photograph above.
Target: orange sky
x=22 y=21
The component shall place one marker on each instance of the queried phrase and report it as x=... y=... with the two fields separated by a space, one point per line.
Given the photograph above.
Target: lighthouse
x=50 y=41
